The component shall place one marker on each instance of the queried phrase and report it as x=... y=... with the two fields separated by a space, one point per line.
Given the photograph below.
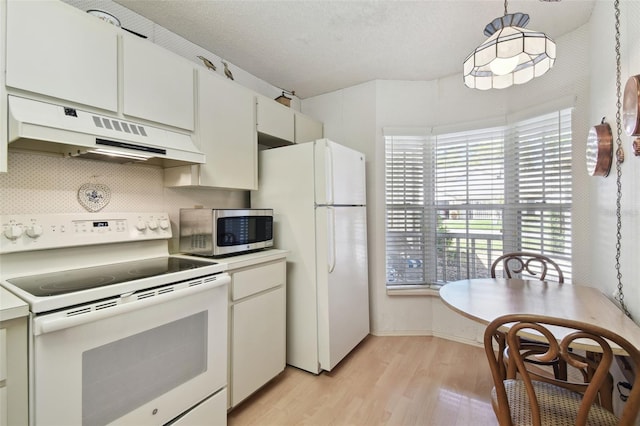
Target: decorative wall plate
x=631 y=106
x=94 y=196
x=599 y=150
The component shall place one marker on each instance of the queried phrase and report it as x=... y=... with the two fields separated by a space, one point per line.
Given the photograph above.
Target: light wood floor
x=408 y=380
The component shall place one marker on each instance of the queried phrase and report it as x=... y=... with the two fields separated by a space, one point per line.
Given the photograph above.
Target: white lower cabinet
x=257 y=328
x=14 y=409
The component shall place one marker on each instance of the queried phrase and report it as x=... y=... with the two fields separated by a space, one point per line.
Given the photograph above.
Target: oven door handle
x=51 y=323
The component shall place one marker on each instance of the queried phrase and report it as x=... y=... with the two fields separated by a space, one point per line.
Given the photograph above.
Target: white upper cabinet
x=307 y=129
x=274 y=122
x=279 y=125
x=227 y=136
x=226 y=133
x=158 y=85
x=57 y=50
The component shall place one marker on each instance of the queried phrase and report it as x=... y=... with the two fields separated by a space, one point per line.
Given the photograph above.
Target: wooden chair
x=527 y=263
x=537 y=266
x=526 y=397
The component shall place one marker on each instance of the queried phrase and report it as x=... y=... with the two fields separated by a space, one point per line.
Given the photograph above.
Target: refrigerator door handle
x=329 y=177
x=331 y=235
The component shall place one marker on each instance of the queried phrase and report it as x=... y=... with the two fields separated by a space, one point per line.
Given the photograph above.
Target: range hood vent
x=46 y=127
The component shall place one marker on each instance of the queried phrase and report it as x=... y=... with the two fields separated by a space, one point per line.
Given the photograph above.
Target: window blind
x=540 y=187
x=406 y=172
x=457 y=201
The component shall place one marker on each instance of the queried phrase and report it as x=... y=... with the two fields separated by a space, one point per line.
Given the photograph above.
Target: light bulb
x=503 y=66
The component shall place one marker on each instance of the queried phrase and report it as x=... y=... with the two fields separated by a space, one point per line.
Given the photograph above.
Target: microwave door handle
x=331 y=238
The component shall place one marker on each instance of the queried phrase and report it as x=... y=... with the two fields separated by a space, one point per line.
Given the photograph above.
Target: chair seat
x=558 y=406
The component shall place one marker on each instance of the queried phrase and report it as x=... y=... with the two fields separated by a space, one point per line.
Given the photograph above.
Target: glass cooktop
x=56 y=283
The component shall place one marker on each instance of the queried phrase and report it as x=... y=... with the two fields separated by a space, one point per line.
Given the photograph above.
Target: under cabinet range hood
x=47 y=127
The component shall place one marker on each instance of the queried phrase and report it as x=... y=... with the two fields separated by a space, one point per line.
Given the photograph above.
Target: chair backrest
x=522 y=262
x=543 y=326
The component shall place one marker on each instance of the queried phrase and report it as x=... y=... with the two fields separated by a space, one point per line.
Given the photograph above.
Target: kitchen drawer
x=212 y=411
x=256 y=279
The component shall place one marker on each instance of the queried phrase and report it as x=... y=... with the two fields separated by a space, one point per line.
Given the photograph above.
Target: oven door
x=143 y=362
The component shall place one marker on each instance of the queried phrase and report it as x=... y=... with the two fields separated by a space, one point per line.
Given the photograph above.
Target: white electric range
x=119 y=329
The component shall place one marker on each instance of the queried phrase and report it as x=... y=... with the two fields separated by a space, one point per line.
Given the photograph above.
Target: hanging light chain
x=505 y=8
x=619 y=159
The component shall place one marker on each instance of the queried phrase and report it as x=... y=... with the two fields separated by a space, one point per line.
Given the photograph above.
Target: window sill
x=411 y=290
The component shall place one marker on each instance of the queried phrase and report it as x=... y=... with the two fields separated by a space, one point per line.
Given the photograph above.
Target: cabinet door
x=157 y=84
x=274 y=119
x=4 y=421
x=4 y=115
x=14 y=395
x=226 y=134
x=57 y=50
x=307 y=129
x=258 y=342
x=3 y=407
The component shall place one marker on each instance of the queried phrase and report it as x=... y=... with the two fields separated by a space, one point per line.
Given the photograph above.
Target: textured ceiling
x=315 y=47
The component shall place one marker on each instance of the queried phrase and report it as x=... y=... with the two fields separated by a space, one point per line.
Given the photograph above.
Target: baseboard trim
x=459 y=339
x=427 y=333
x=403 y=333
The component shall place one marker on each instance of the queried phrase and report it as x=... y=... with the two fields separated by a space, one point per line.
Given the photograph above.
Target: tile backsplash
x=40 y=183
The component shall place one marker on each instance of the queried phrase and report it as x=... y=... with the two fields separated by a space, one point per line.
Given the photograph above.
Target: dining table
x=484 y=299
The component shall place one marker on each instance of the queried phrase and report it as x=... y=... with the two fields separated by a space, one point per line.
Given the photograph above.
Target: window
x=457 y=201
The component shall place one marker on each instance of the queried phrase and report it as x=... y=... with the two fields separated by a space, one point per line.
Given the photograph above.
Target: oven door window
x=143 y=366
x=127 y=372
x=242 y=230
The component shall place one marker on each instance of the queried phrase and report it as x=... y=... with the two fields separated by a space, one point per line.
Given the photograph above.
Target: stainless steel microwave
x=222 y=232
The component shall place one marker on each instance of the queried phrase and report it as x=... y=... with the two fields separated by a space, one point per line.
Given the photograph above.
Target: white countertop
x=11 y=306
x=244 y=260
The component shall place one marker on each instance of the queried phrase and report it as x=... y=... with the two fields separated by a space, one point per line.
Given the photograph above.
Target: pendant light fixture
x=511 y=55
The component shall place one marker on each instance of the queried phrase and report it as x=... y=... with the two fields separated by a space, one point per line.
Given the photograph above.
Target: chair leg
x=606 y=391
x=502 y=344
x=560 y=370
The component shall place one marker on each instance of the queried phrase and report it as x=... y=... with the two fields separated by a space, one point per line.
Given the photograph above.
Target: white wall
x=600 y=268
x=447 y=103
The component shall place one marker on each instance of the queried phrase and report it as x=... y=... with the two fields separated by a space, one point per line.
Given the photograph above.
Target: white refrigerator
x=317 y=193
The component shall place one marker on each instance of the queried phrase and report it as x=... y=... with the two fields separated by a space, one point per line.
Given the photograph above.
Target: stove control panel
x=26 y=232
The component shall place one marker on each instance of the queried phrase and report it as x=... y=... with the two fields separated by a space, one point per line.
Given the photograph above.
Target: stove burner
x=64 y=286
x=156 y=269
x=63 y=282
